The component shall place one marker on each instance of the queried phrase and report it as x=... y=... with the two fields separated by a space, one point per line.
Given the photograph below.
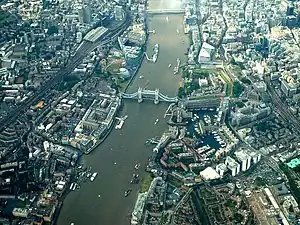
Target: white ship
x=154 y=58
x=137 y=166
x=120 y=125
x=156 y=121
x=169 y=65
x=93 y=176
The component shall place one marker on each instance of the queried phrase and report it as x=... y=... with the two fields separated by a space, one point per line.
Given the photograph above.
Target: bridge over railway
x=146 y=94
x=165 y=11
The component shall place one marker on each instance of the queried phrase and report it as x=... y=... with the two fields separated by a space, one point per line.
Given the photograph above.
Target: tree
x=181 y=92
x=237 y=89
x=52 y=30
x=194 y=85
x=245 y=80
x=201 y=75
x=291 y=209
x=238 y=217
x=185 y=73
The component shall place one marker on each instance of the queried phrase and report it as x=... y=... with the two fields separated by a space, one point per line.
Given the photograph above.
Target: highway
x=83 y=51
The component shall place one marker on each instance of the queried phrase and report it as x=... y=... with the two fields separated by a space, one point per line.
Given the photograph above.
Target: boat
x=141 y=77
x=176 y=70
x=126 y=193
x=167 y=19
x=119 y=125
x=137 y=166
x=74 y=187
x=154 y=58
x=156 y=121
x=169 y=65
x=93 y=176
x=177 y=31
x=135 y=179
x=88 y=175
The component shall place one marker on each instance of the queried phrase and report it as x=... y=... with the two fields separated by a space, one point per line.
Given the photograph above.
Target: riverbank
x=115 y=158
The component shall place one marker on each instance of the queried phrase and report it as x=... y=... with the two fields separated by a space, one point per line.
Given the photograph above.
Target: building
x=221 y=169
x=119 y=13
x=244 y=159
x=209 y=174
x=288 y=88
x=205 y=53
x=20 y=212
x=87 y=15
x=232 y=165
x=138 y=210
x=84 y=15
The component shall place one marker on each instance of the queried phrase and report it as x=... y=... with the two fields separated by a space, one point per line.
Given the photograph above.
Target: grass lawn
x=146 y=182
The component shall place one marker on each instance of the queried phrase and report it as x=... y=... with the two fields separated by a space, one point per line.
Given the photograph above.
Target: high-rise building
x=119 y=13
x=290 y=10
x=232 y=165
x=84 y=15
x=87 y=15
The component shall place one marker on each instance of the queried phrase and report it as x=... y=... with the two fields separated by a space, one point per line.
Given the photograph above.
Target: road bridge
x=146 y=94
x=164 y=11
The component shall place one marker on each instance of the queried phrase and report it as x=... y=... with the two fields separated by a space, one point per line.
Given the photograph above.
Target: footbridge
x=146 y=94
x=165 y=11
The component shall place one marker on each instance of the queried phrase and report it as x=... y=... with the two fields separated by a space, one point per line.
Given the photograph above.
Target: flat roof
x=293 y=163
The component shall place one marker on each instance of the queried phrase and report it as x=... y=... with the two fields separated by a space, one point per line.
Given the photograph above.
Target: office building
x=84 y=15
x=119 y=13
x=232 y=165
x=244 y=159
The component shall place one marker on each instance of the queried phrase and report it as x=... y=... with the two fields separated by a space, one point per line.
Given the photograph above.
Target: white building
x=232 y=165
x=203 y=82
x=119 y=12
x=221 y=169
x=205 y=53
x=209 y=174
x=244 y=159
x=78 y=37
x=255 y=157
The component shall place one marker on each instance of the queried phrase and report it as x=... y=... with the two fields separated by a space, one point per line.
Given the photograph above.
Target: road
x=74 y=61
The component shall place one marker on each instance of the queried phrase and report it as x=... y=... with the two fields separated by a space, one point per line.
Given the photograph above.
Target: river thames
x=114 y=160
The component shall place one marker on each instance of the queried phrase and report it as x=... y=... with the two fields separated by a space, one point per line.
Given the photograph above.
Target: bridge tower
x=140 y=95
x=156 y=96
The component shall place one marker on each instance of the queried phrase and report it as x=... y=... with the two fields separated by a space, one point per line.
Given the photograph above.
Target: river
x=114 y=160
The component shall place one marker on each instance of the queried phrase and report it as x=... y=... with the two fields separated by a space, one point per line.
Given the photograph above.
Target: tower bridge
x=165 y=11
x=146 y=94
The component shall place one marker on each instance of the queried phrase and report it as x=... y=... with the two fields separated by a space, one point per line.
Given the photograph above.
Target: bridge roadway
x=74 y=61
x=142 y=94
x=165 y=11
